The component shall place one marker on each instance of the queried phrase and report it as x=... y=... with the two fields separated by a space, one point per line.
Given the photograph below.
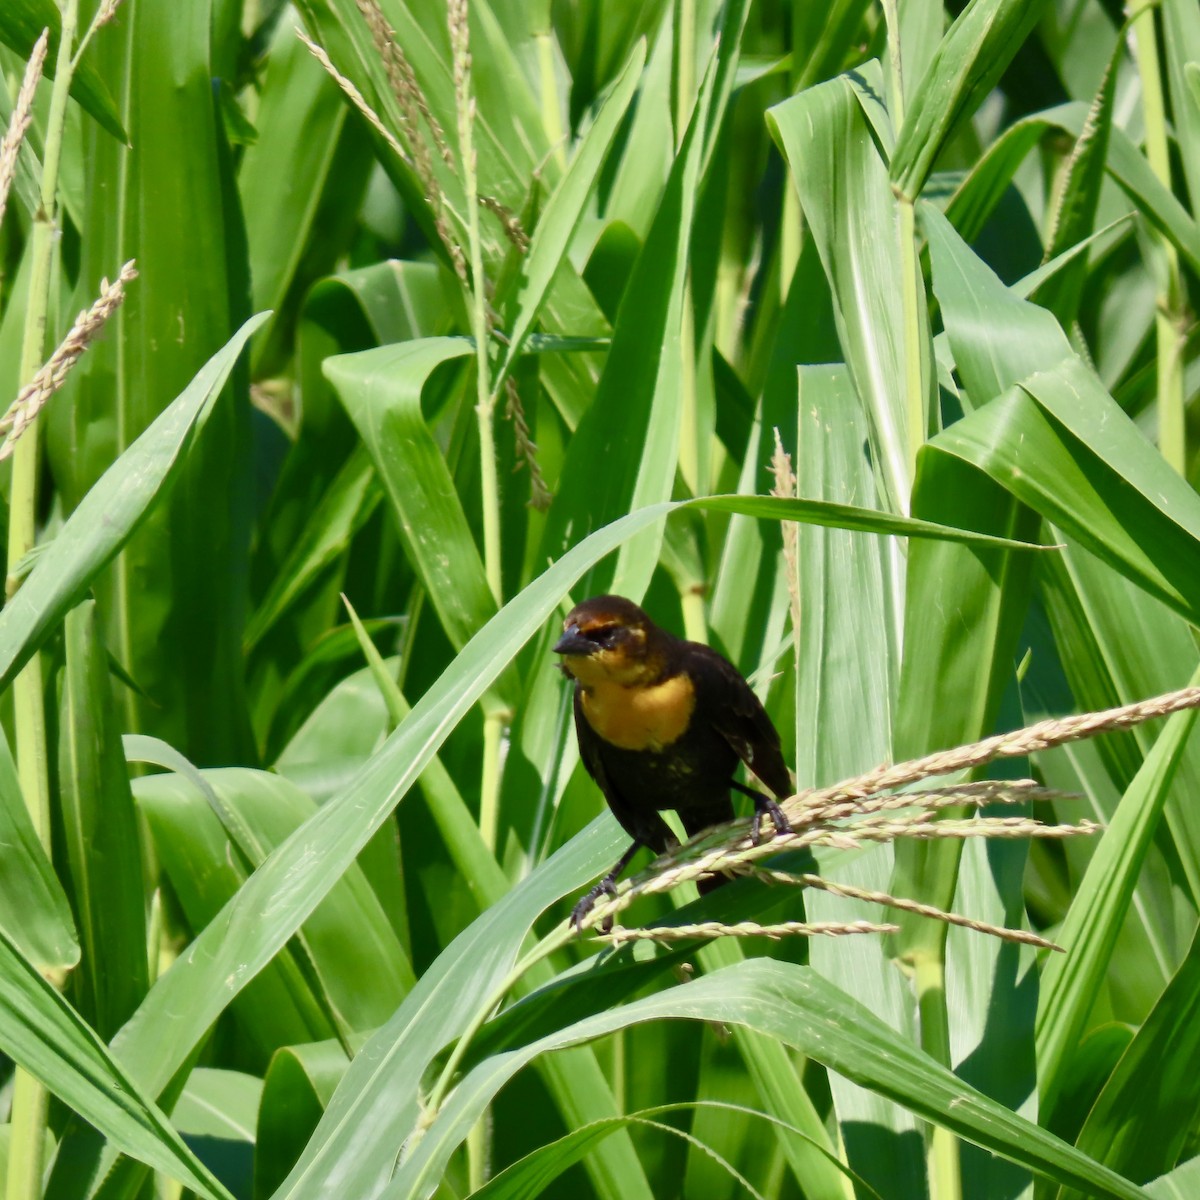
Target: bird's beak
x=572 y=642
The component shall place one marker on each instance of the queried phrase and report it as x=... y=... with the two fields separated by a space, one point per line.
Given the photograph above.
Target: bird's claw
x=606 y=887
x=765 y=807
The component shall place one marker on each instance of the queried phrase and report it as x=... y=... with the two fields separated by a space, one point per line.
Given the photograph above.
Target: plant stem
x=485 y=403
x=929 y=976
x=1172 y=441
x=22 y=522
x=30 y=1099
x=695 y=623
x=489 y=791
x=485 y=411
x=477 y=1154
x=30 y=1107
x=685 y=87
x=912 y=289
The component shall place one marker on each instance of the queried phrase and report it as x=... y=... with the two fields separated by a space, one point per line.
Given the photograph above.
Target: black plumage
x=662 y=723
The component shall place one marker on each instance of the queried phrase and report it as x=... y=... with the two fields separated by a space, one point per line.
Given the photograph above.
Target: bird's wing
x=642 y=823
x=734 y=711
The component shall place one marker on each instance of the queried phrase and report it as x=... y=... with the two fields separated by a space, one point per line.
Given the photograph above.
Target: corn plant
x=852 y=339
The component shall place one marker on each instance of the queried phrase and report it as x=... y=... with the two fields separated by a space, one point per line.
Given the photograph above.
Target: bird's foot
x=606 y=887
x=766 y=807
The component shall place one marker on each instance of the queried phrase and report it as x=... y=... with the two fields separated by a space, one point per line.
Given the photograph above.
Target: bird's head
x=608 y=639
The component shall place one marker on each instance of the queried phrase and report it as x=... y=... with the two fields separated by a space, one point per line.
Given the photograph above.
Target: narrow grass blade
x=301 y=183
x=279 y=896
x=100 y=828
x=299 y=1084
x=34 y=911
x=110 y=512
x=1078 y=197
x=1059 y=442
x=41 y=1032
x=1063 y=447
x=341 y=512
x=968 y=62
x=1139 y=1123
x=824 y=38
x=847 y=675
x=213 y=828
x=378 y=1104
x=1092 y=609
x=381 y=390
x=564 y=210
x=849 y=208
x=1181 y=45
x=531 y=1175
x=21 y=24
x=632 y=425
x=797 y=1006
x=854 y=517
x=1071 y=981
x=997 y=338
x=977 y=196
x=175 y=582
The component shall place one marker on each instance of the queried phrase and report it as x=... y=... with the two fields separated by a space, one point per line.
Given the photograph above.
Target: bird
x=662 y=723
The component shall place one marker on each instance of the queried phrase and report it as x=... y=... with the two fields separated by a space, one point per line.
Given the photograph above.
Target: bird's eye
x=606 y=636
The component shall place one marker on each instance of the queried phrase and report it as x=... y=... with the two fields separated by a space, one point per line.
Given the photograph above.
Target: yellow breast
x=640 y=718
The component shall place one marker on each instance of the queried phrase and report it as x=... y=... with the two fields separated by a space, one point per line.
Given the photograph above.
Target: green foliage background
x=291 y=808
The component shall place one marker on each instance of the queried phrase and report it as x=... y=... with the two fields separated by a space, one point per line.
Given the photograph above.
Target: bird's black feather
x=686 y=753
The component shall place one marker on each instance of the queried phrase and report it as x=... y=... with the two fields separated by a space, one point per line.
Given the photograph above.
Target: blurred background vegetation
x=290 y=804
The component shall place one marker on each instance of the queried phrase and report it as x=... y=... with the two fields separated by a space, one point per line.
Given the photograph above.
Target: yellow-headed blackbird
x=662 y=723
